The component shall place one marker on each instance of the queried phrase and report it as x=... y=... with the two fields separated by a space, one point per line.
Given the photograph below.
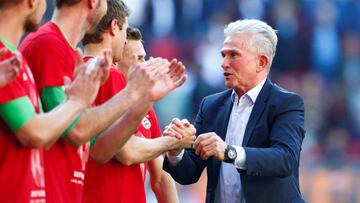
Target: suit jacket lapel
x=224 y=115
x=257 y=111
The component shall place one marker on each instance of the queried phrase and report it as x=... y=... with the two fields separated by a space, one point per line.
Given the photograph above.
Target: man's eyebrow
x=229 y=50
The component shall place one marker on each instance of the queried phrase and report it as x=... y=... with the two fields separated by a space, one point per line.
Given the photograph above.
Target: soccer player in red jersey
x=50 y=53
x=24 y=130
x=122 y=178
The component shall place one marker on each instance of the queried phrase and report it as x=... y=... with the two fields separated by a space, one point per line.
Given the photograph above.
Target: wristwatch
x=230 y=154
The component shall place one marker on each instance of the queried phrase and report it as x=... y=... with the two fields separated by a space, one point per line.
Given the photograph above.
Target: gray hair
x=264 y=38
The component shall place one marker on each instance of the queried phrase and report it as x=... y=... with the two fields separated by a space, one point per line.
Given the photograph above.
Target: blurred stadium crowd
x=318 y=56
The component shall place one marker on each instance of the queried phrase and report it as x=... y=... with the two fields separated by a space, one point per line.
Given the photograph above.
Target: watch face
x=232 y=154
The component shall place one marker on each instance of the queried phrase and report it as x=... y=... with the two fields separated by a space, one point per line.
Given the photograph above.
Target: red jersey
x=51 y=57
x=21 y=168
x=114 y=182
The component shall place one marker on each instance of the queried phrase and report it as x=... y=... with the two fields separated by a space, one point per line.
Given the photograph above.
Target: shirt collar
x=8 y=45
x=251 y=94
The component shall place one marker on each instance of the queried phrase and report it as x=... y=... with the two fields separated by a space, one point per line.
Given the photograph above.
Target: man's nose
x=225 y=64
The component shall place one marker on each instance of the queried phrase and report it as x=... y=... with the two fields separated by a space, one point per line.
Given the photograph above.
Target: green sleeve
x=52 y=97
x=17 y=112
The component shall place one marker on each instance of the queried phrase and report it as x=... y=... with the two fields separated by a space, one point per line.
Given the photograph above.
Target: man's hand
x=142 y=76
x=210 y=144
x=179 y=128
x=9 y=68
x=183 y=131
x=105 y=66
x=155 y=78
x=103 y=63
x=165 y=83
x=85 y=87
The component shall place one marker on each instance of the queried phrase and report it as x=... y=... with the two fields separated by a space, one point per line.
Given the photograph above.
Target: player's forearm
x=113 y=139
x=139 y=150
x=44 y=129
x=95 y=120
x=161 y=182
x=165 y=189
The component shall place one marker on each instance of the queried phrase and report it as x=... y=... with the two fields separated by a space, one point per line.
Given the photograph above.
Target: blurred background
x=318 y=56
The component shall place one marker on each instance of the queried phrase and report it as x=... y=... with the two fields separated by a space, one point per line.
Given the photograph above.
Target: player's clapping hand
x=155 y=78
x=87 y=82
x=172 y=79
x=9 y=68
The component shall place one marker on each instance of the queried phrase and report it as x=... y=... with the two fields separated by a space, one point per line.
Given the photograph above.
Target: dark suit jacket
x=272 y=142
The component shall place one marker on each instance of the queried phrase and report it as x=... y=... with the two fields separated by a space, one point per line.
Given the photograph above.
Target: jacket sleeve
x=287 y=132
x=189 y=169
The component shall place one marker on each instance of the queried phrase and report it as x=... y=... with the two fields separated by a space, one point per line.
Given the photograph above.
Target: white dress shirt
x=229 y=185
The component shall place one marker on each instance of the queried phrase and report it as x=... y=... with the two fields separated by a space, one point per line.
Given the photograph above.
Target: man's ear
x=114 y=26
x=31 y=3
x=91 y=4
x=263 y=62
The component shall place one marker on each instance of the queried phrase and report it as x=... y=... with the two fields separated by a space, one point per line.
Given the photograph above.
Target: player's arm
x=42 y=130
x=38 y=130
x=161 y=182
x=139 y=150
x=148 y=81
x=121 y=131
x=109 y=142
x=96 y=119
x=93 y=120
x=164 y=80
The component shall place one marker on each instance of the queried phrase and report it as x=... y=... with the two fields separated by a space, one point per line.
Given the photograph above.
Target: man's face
x=132 y=47
x=33 y=20
x=239 y=62
x=119 y=42
x=95 y=17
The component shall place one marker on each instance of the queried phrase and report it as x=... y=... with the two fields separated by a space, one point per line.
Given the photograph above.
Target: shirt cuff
x=241 y=158
x=174 y=160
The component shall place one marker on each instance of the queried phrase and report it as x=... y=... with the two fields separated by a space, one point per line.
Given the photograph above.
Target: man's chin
x=229 y=85
x=93 y=26
x=90 y=31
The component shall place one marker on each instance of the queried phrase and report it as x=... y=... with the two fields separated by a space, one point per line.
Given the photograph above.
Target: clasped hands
x=205 y=145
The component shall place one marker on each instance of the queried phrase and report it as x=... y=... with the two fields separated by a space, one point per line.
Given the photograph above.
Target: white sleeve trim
x=241 y=158
x=174 y=160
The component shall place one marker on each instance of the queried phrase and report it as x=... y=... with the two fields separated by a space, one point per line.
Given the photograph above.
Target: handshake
x=183 y=135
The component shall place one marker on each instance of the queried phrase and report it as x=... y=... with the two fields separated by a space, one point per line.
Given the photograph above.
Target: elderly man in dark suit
x=250 y=136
